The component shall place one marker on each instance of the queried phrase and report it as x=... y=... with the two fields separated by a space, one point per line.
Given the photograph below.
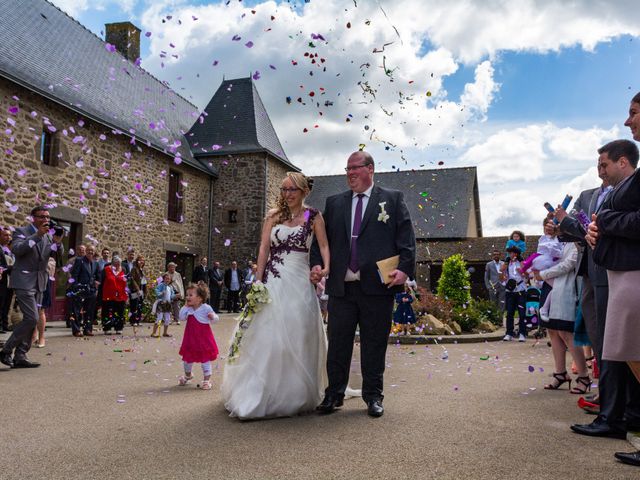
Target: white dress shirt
x=351 y=276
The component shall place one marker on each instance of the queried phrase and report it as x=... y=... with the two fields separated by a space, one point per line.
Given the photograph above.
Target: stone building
x=445 y=209
x=120 y=159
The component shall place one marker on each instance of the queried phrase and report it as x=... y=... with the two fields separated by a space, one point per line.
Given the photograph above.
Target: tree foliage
x=454 y=284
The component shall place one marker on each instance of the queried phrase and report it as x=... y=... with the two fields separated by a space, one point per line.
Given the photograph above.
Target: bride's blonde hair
x=301 y=181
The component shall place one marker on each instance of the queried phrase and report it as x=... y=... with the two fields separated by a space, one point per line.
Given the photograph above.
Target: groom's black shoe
x=375 y=408
x=329 y=404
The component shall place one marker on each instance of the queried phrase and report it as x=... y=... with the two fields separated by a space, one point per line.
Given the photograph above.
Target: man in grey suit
x=493 y=280
x=32 y=246
x=364 y=225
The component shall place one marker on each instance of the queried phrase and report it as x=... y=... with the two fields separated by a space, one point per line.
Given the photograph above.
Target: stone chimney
x=125 y=36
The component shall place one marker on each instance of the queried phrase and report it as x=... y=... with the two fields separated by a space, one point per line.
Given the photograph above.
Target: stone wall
x=117 y=191
x=248 y=185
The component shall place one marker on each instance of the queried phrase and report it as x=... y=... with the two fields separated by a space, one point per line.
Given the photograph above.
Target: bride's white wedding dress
x=280 y=370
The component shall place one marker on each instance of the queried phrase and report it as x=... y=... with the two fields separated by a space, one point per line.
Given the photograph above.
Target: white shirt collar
x=367 y=192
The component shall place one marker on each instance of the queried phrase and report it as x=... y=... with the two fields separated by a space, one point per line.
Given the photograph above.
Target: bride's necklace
x=292 y=217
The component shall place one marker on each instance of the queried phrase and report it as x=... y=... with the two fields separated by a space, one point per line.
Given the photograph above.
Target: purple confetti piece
x=13 y=110
x=109 y=47
x=147 y=34
x=102 y=137
x=11 y=122
x=531 y=369
x=215 y=63
x=22 y=172
x=249 y=44
x=256 y=76
x=236 y=38
x=227 y=242
x=272 y=67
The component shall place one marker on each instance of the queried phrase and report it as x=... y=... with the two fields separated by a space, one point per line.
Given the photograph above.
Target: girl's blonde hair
x=301 y=181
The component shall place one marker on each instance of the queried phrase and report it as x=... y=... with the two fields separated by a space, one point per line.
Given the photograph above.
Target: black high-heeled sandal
x=585 y=382
x=559 y=379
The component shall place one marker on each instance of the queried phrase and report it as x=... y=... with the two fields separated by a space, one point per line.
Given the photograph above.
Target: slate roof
x=46 y=51
x=235 y=121
x=440 y=201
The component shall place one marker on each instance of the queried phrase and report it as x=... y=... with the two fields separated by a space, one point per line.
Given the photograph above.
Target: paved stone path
x=471 y=411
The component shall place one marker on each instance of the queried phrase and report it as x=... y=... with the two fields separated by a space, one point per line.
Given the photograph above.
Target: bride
x=280 y=367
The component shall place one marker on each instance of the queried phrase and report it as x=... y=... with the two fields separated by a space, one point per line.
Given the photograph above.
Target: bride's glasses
x=284 y=191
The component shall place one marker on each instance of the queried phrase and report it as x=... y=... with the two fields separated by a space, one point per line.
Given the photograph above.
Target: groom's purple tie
x=357 y=221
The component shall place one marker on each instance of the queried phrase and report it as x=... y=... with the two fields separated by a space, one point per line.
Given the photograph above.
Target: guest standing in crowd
x=249 y=279
x=86 y=279
x=201 y=272
x=233 y=281
x=178 y=288
x=137 y=292
x=32 y=247
x=493 y=280
x=163 y=304
x=615 y=236
x=114 y=296
x=515 y=287
x=562 y=315
x=128 y=263
x=37 y=338
x=216 y=281
x=403 y=314
x=6 y=264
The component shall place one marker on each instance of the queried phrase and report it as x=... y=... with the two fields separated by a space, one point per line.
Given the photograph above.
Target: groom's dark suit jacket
x=377 y=240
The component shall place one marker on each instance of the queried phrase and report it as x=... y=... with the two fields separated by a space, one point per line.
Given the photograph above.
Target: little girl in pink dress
x=198 y=344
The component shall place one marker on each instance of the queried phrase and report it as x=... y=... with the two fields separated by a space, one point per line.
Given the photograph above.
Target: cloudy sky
x=526 y=91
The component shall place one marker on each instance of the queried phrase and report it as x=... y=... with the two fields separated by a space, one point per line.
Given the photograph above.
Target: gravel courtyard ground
x=108 y=407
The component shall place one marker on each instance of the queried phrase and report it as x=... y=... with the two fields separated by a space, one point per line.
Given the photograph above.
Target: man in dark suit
x=216 y=281
x=6 y=292
x=364 y=225
x=86 y=278
x=619 y=394
x=32 y=246
x=201 y=272
x=233 y=280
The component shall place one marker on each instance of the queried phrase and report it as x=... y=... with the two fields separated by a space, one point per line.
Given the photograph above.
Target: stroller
x=532 y=312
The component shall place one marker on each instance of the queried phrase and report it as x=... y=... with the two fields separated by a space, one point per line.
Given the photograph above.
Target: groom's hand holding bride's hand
x=316 y=274
x=398 y=278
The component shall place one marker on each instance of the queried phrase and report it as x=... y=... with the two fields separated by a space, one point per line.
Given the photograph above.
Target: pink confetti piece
x=227 y=242
x=102 y=137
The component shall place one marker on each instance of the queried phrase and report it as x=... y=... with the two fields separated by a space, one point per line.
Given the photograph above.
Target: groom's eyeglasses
x=355 y=167
x=289 y=190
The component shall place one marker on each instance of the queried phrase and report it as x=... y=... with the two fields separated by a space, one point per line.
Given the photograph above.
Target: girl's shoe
x=583 y=386
x=183 y=380
x=558 y=380
x=206 y=385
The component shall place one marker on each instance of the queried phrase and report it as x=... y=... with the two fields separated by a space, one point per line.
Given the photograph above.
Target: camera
x=57 y=228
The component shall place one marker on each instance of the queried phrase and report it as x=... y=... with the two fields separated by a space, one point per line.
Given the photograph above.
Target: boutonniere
x=383 y=216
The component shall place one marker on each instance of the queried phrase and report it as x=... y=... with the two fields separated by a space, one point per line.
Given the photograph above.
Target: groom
x=364 y=224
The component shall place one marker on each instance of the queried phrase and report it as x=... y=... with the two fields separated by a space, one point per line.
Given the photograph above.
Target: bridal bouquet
x=256 y=298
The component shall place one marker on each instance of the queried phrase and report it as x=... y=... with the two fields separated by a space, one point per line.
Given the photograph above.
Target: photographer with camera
x=32 y=246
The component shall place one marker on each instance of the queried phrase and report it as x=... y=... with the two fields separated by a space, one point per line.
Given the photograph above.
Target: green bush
x=454 y=284
x=468 y=318
x=489 y=311
x=429 y=303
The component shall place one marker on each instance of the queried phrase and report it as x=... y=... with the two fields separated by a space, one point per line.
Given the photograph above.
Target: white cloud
x=395 y=99
x=76 y=7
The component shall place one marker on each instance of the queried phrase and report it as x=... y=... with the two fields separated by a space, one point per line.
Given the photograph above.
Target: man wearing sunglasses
x=365 y=224
x=32 y=246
